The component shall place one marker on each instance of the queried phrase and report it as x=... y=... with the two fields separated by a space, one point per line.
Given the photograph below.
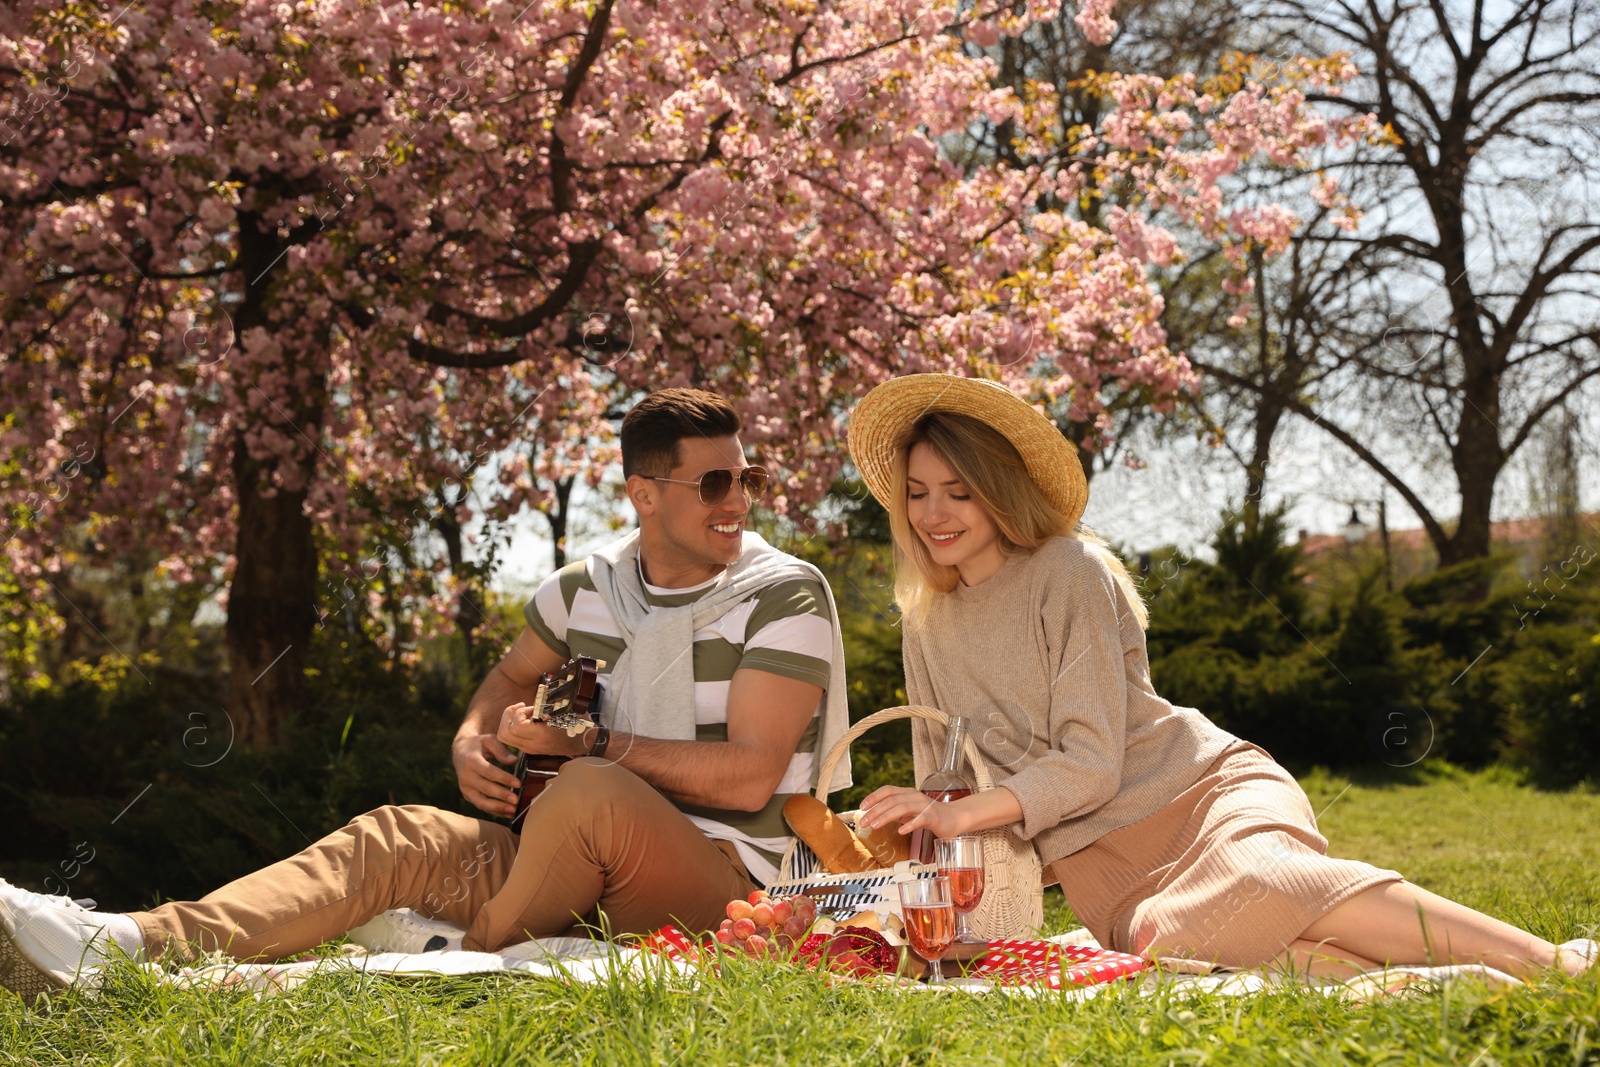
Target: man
x=724 y=678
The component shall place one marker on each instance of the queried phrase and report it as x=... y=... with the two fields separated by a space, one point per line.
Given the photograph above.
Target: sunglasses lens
x=714 y=485
x=754 y=480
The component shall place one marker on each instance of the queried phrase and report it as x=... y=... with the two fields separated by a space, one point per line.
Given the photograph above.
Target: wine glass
x=930 y=920
x=961 y=861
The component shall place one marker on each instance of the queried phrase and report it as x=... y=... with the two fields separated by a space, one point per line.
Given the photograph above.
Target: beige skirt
x=1230 y=871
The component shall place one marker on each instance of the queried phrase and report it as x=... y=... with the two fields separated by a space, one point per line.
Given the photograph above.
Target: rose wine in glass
x=961 y=861
x=930 y=920
x=943 y=785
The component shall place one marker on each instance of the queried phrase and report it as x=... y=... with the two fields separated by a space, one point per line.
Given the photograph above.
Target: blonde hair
x=993 y=472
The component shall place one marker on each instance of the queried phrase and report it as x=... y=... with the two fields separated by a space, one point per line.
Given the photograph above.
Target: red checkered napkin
x=673 y=943
x=1024 y=962
x=1013 y=962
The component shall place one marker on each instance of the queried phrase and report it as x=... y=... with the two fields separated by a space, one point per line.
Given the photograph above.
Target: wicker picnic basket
x=1013 y=890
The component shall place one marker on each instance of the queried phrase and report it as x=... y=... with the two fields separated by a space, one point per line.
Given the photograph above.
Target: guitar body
x=569 y=699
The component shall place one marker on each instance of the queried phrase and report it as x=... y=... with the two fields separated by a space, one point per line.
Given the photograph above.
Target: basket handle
x=980 y=770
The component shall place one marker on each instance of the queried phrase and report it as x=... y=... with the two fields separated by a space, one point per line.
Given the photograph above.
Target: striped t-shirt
x=784 y=629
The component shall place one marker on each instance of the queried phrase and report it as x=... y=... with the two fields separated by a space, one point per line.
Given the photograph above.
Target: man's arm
x=514 y=680
x=767 y=713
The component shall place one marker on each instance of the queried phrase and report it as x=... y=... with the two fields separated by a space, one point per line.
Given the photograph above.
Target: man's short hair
x=652 y=430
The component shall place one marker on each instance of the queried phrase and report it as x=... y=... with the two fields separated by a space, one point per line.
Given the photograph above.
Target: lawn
x=1527 y=856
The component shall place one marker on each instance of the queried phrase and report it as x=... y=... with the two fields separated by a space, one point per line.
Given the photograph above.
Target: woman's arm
x=1082 y=613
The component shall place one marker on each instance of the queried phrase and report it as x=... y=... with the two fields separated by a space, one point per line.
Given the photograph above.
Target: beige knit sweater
x=1048 y=661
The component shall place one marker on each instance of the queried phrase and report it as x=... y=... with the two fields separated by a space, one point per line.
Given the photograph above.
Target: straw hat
x=886 y=415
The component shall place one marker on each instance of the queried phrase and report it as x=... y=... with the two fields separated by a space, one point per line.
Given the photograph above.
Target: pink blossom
x=426 y=193
x=1094 y=19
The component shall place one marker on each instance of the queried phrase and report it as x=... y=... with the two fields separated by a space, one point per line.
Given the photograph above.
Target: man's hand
x=521 y=731
x=476 y=752
x=482 y=781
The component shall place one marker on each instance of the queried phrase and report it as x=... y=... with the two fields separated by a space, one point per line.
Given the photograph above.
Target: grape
x=757 y=897
x=782 y=910
x=739 y=909
x=755 y=945
x=762 y=914
x=795 y=927
x=725 y=936
x=743 y=928
x=763 y=931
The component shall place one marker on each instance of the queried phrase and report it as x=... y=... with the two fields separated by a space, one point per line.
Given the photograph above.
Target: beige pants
x=598 y=842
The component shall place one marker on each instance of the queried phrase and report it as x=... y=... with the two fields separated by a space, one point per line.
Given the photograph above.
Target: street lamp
x=1355 y=531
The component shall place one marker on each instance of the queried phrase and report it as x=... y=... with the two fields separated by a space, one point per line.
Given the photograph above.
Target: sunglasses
x=714 y=485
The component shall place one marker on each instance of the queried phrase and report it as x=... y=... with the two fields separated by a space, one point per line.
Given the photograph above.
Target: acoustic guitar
x=568 y=698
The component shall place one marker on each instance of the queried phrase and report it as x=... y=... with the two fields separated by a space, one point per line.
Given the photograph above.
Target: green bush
x=1454 y=665
x=143 y=778
x=1462 y=635
x=1237 y=640
x=1551 y=689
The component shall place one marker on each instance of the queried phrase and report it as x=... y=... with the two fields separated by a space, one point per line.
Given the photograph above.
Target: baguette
x=886 y=843
x=836 y=845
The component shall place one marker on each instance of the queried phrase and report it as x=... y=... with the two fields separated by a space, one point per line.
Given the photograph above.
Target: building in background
x=1409 y=553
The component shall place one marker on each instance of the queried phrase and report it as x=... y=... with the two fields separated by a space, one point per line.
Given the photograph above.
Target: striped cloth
x=784 y=629
x=843 y=895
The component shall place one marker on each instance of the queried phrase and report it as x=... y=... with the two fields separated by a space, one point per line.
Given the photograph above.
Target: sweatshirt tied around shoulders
x=1047 y=659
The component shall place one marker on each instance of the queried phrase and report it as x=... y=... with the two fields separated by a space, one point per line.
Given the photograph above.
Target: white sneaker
x=1583 y=948
x=403 y=930
x=46 y=942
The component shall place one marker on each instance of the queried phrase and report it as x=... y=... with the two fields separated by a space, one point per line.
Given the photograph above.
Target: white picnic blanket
x=586 y=961
x=567 y=958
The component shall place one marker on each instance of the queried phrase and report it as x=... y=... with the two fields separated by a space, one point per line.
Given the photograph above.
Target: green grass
x=1526 y=856
x=1529 y=857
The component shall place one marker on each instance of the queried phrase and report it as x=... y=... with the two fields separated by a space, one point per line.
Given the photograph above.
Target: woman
x=1170 y=836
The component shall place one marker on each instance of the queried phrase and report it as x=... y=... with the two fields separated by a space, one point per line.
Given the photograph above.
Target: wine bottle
x=945 y=784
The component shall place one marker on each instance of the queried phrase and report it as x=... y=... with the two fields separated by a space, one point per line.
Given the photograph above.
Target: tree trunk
x=1269 y=410
x=270 y=605
x=272 y=599
x=558 y=515
x=1268 y=416
x=1478 y=466
x=469 y=616
x=1477 y=453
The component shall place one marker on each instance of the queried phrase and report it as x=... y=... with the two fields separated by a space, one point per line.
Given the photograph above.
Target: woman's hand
x=913 y=810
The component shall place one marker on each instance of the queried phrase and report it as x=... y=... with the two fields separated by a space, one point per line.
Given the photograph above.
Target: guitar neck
x=567 y=698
